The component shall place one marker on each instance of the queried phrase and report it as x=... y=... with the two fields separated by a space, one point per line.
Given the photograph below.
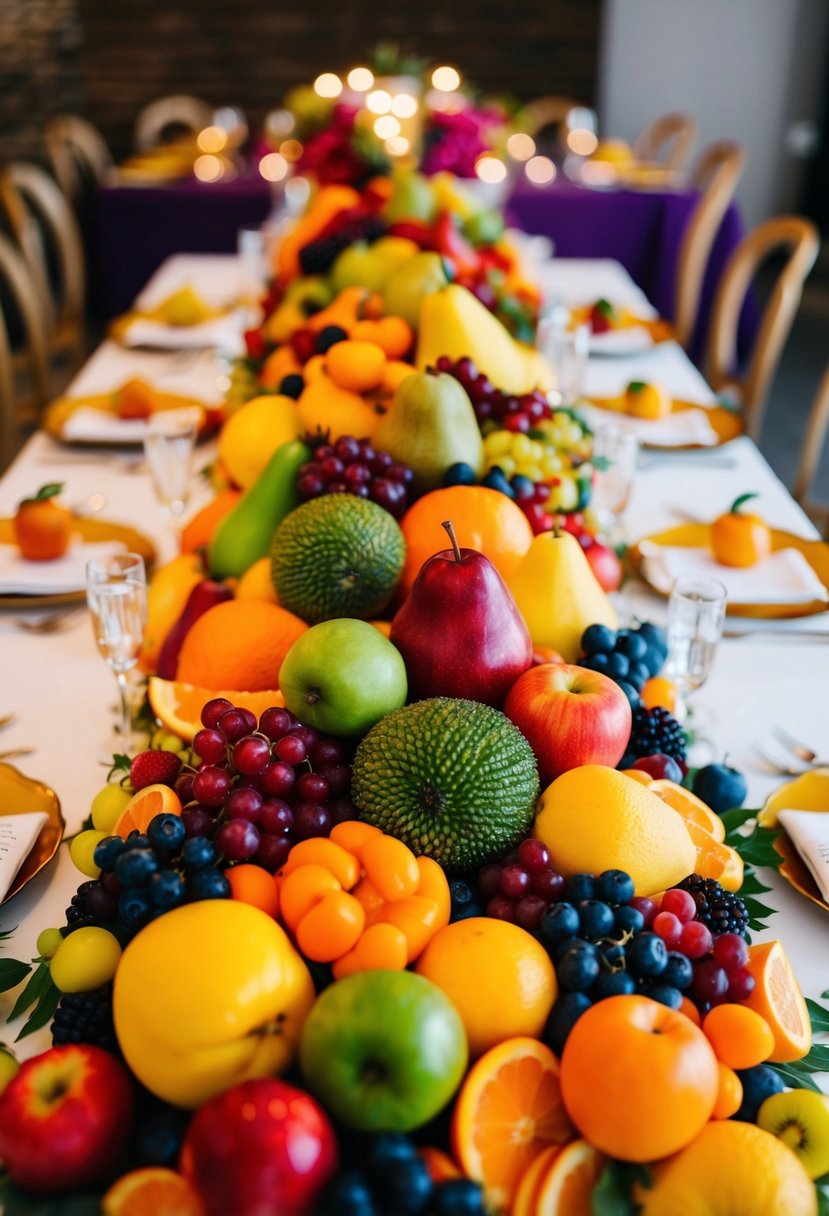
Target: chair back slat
x=667 y=141
x=179 y=110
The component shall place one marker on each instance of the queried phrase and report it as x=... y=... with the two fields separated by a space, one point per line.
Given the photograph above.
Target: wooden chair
x=180 y=110
x=800 y=237
x=810 y=454
x=674 y=132
x=546 y=112
x=37 y=211
x=21 y=298
x=715 y=175
x=77 y=154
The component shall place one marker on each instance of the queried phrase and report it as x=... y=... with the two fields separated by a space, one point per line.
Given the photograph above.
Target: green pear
x=354 y=267
x=412 y=198
x=430 y=426
x=245 y=534
x=410 y=283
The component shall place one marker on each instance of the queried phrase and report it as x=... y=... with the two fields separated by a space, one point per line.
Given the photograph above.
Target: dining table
x=765 y=673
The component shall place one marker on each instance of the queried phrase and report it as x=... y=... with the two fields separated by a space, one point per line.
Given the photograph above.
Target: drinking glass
x=168 y=448
x=614 y=462
x=116 y=592
x=566 y=350
x=696 y=611
x=254 y=271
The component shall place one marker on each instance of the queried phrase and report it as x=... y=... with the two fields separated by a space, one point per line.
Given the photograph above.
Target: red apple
x=65 y=1118
x=260 y=1148
x=570 y=716
x=605 y=565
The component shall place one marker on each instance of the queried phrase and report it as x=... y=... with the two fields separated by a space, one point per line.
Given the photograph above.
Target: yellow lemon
x=730 y=1169
x=646 y=401
x=252 y=434
x=594 y=818
x=208 y=996
x=807 y=793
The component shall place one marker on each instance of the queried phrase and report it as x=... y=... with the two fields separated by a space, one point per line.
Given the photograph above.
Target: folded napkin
x=18 y=834
x=676 y=430
x=627 y=341
x=809 y=833
x=58 y=577
x=783 y=578
x=89 y=425
x=223 y=333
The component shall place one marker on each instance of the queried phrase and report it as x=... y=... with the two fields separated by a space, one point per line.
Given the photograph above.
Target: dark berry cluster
x=722 y=911
x=514 y=413
x=85 y=1017
x=630 y=656
x=353 y=466
x=655 y=730
x=319 y=256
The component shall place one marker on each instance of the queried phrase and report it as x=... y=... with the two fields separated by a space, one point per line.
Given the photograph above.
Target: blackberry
x=319 y=256
x=86 y=1017
x=655 y=730
x=722 y=911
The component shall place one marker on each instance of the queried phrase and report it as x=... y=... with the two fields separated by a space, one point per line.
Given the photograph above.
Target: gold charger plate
x=697 y=536
x=796 y=872
x=89 y=529
x=727 y=424
x=21 y=795
x=59 y=411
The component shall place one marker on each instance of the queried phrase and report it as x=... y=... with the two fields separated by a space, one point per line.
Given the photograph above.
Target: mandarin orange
x=239 y=644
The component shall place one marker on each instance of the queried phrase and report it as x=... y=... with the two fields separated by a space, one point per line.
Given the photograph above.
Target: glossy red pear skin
x=570 y=716
x=76 y=1138
x=460 y=631
x=263 y=1148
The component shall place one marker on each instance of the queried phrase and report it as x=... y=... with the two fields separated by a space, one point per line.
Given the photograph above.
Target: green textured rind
x=481 y=768
x=334 y=556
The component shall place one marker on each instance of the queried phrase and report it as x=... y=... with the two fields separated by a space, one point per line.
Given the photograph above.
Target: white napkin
x=785 y=577
x=676 y=430
x=223 y=333
x=665 y=364
x=18 y=834
x=57 y=577
x=627 y=341
x=809 y=833
x=88 y=425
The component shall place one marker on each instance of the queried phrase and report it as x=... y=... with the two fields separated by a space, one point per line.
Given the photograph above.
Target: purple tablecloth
x=138 y=227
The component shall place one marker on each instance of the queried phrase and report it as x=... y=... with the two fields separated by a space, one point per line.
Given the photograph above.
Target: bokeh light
x=582 y=141
x=273 y=167
x=379 y=102
x=386 y=127
x=211 y=139
x=209 y=168
x=403 y=105
x=490 y=169
x=446 y=79
x=540 y=170
x=360 y=79
x=398 y=145
x=521 y=146
x=328 y=85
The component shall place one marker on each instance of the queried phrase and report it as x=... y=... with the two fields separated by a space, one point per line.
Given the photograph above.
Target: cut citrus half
x=777 y=997
x=809 y=792
x=152 y=1192
x=178 y=705
x=524 y=1203
x=691 y=808
x=715 y=860
x=440 y=1165
x=508 y=1111
x=567 y=1187
x=144 y=806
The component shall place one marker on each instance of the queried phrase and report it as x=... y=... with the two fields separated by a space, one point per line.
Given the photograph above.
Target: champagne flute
x=566 y=351
x=696 y=612
x=168 y=448
x=614 y=459
x=116 y=592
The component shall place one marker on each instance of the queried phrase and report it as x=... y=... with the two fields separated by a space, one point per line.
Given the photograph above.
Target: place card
x=809 y=833
x=18 y=834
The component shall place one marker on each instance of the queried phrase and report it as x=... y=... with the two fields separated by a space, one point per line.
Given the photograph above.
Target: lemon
x=85 y=959
x=807 y=793
x=595 y=818
x=82 y=851
x=253 y=433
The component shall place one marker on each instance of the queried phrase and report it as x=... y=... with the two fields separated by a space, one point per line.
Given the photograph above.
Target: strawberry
x=154 y=767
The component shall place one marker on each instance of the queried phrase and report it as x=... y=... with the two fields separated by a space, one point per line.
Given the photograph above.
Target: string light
x=273 y=167
x=211 y=139
x=446 y=79
x=360 y=79
x=521 y=146
x=208 y=168
x=328 y=85
x=490 y=169
x=540 y=170
x=386 y=127
x=379 y=102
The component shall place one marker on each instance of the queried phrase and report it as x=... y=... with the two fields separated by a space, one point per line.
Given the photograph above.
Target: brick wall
x=39 y=74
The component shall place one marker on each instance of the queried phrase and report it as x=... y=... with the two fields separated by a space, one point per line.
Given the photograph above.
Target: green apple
x=342 y=676
x=383 y=1050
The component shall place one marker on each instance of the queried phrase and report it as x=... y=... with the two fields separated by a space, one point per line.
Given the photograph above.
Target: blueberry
x=578 y=969
x=292 y=386
x=496 y=480
x=613 y=983
x=678 y=972
x=579 y=887
x=166 y=832
x=157 y=1139
x=387 y=1150
x=632 y=695
x=559 y=922
x=598 y=639
x=135 y=868
x=565 y=1013
x=632 y=645
x=349 y=1195
x=628 y=920
x=637 y=675
x=459 y=1197
x=653 y=635
x=618 y=665
x=207 y=884
x=758 y=1084
x=134 y=907
x=166 y=889
x=614 y=887
x=460 y=892
x=465 y=911
x=665 y=994
x=559 y=949
x=107 y=852
x=613 y=954
x=328 y=337
x=595 y=918
x=407 y=1187
x=524 y=486
x=653 y=660
x=460 y=474
x=197 y=852
x=597 y=662
x=136 y=840
x=720 y=787
x=647 y=955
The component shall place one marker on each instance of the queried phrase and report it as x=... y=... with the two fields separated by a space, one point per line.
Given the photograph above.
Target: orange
x=690 y=1010
x=638 y=774
x=324 y=407
x=440 y=1165
x=739 y=538
x=659 y=691
x=394 y=375
x=777 y=997
x=331 y=927
x=715 y=860
x=178 y=705
x=394 y=335
x=145 y=805
x=639 y=1080
x=199 y=530
x=523 y=1203
x=381 y=947
x=355 y=365
x=567 y=1187
x=240 y=643
x=283 y=362
x=508 y=1110
x=691 y=808
x=484 y=519
x=384 y=627
x=741 y=1037
x=497 y=976
x=256 y=583
x=152 y=1192
x=253 y=885
x=729 y=1094
x=43 y=528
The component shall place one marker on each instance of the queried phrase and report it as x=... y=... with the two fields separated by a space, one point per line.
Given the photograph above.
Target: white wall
x=745 y=69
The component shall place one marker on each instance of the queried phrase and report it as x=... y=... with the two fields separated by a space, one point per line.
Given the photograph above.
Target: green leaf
x=822 y=1201
x=795 y=1079
x=735 y=818
x=50 y=490
x=741 y=501
x=6 y=934
x=612 y=1194
x=12 y=973
x=601 y=463
x=39 y=981
x=42 y=1012
x=636 y=386
x=751 y=885
x=818 y=1015
x=120 y=764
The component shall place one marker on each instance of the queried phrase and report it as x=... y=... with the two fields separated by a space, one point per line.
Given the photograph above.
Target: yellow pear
x=558 y=595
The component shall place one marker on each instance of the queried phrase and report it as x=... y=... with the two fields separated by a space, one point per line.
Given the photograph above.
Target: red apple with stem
x=570 y=716
x=65 y=1118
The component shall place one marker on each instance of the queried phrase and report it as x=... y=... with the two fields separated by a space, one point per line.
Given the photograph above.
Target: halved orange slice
x=152 y=1192
x=524 y=1203
x=715 y=860
x=777 y=997
x=567 y=1187
x=144 y=806
x=178 y=705
x=508 y=1111
x=691 y=808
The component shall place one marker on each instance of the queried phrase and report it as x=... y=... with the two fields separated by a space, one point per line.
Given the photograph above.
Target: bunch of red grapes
x=513 y=413
x=353 y=466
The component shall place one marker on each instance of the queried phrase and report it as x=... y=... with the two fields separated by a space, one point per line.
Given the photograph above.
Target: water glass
x=116 y=593
x=566 y=350
x=254 y=269
x=696 y=612
x=168 y=448
x=614 y=461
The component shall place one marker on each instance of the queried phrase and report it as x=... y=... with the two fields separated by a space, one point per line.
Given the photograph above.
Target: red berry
x=529 y=911
x=197 y=821
x=244 y=803
x=731 y=952
x=233 y=724
x=695 y=941
x=272 y=852
x=311 y=819
x=211 y=786
x=251 y=755
x=646 y=907
x=681 y=903
x=740 y=984
x=338 y=777
x=710 y=982
x=515 y=882
x=210 y=745
x=501 y=908
x=533 y=855
x=275 y=723
x=312 y=787
x=237 y=839
x=154 y=767
x=213 y=710
x=549 y=885
x=489 y=879
x=276 y=817
x=291 y=749
x=326 y=751
x=277 y=780
x=669 y=928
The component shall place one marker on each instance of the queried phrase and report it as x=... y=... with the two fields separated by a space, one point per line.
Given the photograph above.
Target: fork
x=785 y=770
x=49 y=623
x=14 y=753
x=798 y=749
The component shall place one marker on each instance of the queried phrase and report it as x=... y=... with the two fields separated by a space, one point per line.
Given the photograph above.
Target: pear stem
x=556 y=528
x=447 y=524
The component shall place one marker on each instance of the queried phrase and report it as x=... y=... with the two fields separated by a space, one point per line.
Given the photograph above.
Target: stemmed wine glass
x=116 y=592
x=696 y=612
x=168 y=448
x=614 y=459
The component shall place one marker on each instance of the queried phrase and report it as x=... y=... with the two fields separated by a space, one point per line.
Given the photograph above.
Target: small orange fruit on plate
x=152 y=800
x=508 y=1111
x=43 y=528
x=566 y=1188
x=154 y=1191
x=777 y=998
x=178 y=705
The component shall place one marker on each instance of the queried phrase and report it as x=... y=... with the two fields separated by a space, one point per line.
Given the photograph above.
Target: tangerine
x=239 y=643
x=356 y=365
x=153 y=1191
x=730 y=1092
x=741 y=1037
x=253 y=885
x=484 y=519
x=659 y=691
